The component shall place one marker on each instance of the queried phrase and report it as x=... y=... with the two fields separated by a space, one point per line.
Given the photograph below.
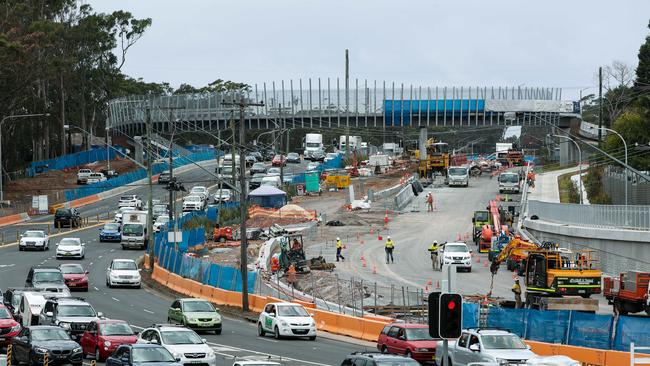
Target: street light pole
x=16 y=116
x=579 y=162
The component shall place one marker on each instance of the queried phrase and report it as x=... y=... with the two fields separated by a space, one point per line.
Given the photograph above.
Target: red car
x=411 y=340
x=103 y=336
x=279 y=160
x=9 y=327
x=75 y=277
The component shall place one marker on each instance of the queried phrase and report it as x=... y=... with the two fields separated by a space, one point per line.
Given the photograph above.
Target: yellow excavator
x=437 y=159
x=555 y=278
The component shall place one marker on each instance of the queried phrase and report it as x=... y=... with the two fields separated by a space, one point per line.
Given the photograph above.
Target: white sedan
x=123 y=272
x=161 y=221
x=34 y=239
x=222 y=195
x=193 y=203
x=70 y=248
x=285 y=319
x=200 y=191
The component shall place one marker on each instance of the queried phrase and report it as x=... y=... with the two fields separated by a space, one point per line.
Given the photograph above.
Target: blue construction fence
x=70 y=161
x=565 y=327
x=175 y=259
x=124 y=179
x=336 y=163
x=213 y=210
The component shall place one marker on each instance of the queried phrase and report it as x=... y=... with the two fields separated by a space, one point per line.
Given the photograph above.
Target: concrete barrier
x=13 y=219
x=84 y=201
x=587 y=356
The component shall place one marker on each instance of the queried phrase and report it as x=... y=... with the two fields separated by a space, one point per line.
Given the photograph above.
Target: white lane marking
x=96 y=289
x=269 y=340
x=118 y=300
x=91 y=263
x=100 y=257
x=148 y=311
x=112 y=250
x=7 y=265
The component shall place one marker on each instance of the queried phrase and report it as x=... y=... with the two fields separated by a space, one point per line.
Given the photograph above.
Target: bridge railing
x=635 y=217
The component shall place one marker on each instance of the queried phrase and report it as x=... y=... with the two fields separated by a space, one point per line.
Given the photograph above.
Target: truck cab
x=487 y=345
x=458 y=176
x=134 y=230
x=313 y=145
x=508 y=182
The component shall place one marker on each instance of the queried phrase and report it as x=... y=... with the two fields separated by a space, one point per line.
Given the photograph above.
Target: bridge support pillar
x=423 y=143
x=138 y=149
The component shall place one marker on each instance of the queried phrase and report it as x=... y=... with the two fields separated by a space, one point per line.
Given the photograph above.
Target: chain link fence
x=614 y=181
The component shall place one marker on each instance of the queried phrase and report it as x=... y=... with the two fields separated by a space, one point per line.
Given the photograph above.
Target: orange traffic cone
x=437 y=285
x=458 y=237
x=372 y=231
x=362 y=241
x=363 y=258
x=430 y=282
x=486 y=264
x=426 y=288
x=374 y=269
x=478 y=259
x=363 y=263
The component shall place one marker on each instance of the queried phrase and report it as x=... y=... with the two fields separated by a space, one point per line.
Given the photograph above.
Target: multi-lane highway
x=145 y=306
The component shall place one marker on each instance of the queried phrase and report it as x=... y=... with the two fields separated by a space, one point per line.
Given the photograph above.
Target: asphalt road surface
x=144 y=307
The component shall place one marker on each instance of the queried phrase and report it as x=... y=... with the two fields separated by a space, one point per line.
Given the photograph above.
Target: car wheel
x=20 y=249
x=469 y=270
x=217 y=332
x=449 y=362
x=260 y=330
x=98 y=357
x=408 y=354
x=276 y=333
x=312 y=338
x=384 y=349
x=108 y=284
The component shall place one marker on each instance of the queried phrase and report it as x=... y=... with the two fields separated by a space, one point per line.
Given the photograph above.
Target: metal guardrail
x=600 y=216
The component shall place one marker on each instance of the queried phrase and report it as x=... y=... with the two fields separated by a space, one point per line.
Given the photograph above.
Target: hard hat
x=388 y=237
x=337 y=238
x=435 y=242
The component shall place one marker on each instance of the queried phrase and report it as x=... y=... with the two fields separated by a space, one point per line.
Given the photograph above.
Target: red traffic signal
x=450 y=320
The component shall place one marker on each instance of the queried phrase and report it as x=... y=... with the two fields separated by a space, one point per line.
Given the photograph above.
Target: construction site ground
x=54 y=183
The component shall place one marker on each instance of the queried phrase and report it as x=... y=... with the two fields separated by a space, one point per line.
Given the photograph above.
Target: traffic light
x=450 y=321
x=434 y=314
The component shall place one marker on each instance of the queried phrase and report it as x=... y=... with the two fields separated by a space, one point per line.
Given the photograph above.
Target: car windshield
x=162 y=219
x=331 y=155
x=481 y=216
x=509 y=178
x=76 y=310
x=507 y=341
x=111 y=227
x=292 y=310
x=34 y=234
x=116 y=329
x=293 y=155
x=457 y=171
x=180 y=337
x=50 y=334
x=125 y=266
x=127 y=198
x=49 y=276
x=132 y=229
x=224 y=192
x=398 y=362
x=72 y=269
x=160 y=208
x=4 y=314
x=69 y=242
x=198 y=190
x=274 y=170
x=456 y=248
x=418 y=334
x=62 y=212
x=192 y=199
x=152 y=354
x=197 y=306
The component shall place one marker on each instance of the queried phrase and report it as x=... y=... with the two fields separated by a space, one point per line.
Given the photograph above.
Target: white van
x=508 y=182
x=271 y=180
x=32 y=303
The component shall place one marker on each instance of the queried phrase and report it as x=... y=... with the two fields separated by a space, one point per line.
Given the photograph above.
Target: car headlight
x=283 y=323
x=210 y=353
x=76 y=350
x=40 y=350
x=502 y=362
x=15 y=328
x=177 y=355
x=107 y=343
x=64 y=325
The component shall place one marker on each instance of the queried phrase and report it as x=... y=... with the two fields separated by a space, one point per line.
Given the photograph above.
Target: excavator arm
x=513 y=245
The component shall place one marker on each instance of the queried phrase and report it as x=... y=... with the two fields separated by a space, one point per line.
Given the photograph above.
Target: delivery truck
x=313 y=145
x=134 y=230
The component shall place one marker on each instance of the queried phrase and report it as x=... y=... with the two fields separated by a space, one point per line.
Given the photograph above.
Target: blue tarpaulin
x=548 y=326
x=470 y=315
x=512 y=319
x=631 y=329
x=590 y=330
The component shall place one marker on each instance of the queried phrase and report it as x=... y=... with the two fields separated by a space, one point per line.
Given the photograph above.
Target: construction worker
x=339 y=248
x=517 y=291
x=434 y=255
x=429 y=202
x=390 y=245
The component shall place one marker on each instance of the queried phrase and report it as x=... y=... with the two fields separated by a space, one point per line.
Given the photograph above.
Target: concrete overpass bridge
x=320 y=104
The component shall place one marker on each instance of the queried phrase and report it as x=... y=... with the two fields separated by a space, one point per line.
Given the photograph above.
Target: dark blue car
x=110 y=232
x=142 y=354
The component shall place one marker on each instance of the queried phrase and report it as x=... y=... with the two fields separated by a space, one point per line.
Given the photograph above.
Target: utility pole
x=281 y=135
x=233 y=152
x=243 y=210
x=347 y=106
x=149 y=234
x=600 y=105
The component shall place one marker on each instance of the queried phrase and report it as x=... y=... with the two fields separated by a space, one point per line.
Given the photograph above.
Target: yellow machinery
x=340 y=180
x=437 y=159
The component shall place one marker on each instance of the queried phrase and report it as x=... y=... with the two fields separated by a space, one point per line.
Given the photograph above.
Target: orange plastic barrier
x=195 y=289
x=10 y=219
x=219 y=296
x=372 y=329
x=174 y=282
x=84 y=201
x=185 y=286
x=52 y=209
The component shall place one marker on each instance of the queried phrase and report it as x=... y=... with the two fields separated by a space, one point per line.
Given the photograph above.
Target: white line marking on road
x=91 y=263
x=100 y=257
x=269 y=340
x=118 y=300
x=96 y=289
x=112 y=250
x=148 y=311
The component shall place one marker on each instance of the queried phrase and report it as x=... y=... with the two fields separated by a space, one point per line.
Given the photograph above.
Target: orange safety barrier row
x=11 y=219
x=587 y=356
x=84 y=201
x=52 y=209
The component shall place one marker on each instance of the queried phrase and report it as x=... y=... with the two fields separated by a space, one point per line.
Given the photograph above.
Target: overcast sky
x=557 y=43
